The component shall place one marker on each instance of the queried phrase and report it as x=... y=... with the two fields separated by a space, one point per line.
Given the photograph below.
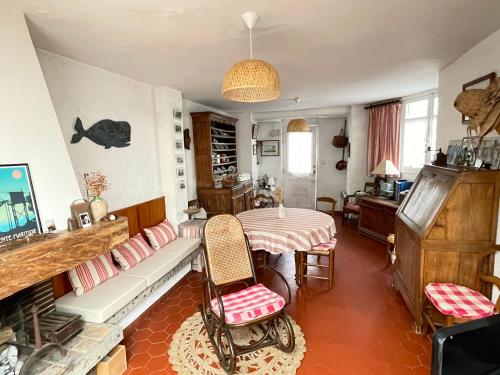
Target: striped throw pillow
x=132 y=251
x=161 y=234
x=88 y=275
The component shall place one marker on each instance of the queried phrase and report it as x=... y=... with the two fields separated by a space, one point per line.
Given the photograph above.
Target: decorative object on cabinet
x=447 y=304
x=107 y=133
x=251 y=81
x=187 y=139
x=478 y=83
x=454 y=149
x=84 y=220
x=469 y=152
x=255 y=131
x=377 y=217
x=261 y=201
x=18 y=209
x=270 y=148
x=489 y=152
x=443 y=224
x=298 y=125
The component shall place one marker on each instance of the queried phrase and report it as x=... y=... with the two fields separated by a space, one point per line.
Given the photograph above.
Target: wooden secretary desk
x=449 y=216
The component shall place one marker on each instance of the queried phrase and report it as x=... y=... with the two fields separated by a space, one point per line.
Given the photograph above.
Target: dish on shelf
x=224 y=158
x=231 y=169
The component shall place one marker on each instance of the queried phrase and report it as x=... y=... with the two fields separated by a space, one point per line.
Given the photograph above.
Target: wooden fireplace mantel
x=32 y=263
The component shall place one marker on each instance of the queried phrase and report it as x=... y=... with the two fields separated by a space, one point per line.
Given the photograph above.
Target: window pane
x=300 y=153
x=416 y=109
x=435 y=108
x=414 y=143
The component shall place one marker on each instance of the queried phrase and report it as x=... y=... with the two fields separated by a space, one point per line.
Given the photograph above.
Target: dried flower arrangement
x=95 y=183
x=278 y=194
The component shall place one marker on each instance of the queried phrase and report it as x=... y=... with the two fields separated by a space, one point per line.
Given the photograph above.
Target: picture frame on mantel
x=270 y=148
x=478 y=83
x=19 y=215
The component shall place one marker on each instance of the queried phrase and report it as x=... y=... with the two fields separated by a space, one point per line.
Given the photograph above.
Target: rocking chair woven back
x=226 y=253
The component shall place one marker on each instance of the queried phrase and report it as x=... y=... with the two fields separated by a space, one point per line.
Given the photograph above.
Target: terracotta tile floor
x=361 y=326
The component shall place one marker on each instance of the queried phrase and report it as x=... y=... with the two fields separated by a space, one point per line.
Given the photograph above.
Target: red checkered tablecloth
x=300 y=229
x=459 y=301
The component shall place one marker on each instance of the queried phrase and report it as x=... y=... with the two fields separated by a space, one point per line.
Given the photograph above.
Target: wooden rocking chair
x=229 y=263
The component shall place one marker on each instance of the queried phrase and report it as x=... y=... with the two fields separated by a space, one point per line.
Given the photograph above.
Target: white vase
x=99 y=208
x=281 y=211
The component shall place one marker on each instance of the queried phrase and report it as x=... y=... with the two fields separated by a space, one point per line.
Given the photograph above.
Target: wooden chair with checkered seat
x=447 y=304
x=321 y=250
x=229 y=264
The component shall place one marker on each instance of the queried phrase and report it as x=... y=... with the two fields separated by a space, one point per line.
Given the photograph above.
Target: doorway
x=300 y=174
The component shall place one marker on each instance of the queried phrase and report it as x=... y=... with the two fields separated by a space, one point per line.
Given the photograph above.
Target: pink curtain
x=383 y=134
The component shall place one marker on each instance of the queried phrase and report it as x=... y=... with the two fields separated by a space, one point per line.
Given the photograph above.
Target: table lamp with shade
x=385 y=168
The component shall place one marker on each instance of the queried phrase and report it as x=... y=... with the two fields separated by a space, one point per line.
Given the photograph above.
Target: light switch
x=322 y=162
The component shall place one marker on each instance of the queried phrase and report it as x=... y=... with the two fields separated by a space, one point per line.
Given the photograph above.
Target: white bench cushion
x=100 y=303
x=163 y=260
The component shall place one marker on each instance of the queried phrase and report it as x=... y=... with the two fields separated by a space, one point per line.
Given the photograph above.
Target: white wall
x=247 y=162
x=271 y=165
x=80 y=90
x=29 y=131
x=357 y=166
x=481 y=59
x=331 y=181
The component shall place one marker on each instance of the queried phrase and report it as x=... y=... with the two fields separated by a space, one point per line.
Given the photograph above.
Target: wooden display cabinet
x=449 y=216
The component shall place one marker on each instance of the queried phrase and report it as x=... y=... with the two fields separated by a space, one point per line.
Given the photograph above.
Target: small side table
x=191 y=212
x=193 y=229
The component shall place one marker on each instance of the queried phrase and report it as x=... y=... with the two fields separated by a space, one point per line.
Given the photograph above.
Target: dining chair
x=447 y=304
x=327 y=200
x=321 y=250
x=229 y=264
x=261 y=201
x=351 y=202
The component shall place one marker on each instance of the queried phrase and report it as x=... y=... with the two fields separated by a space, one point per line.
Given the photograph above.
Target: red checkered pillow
x=132 y=251
x=93 y=272
x=161 y=234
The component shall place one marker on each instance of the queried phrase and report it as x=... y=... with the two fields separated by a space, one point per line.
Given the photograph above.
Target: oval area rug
x=191 y=352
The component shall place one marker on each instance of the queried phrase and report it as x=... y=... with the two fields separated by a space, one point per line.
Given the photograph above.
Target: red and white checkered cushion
x=161 y=234
x=325 y=247
x=459 y=301
x=249 y=304
x=132 y=251
x=88 y=275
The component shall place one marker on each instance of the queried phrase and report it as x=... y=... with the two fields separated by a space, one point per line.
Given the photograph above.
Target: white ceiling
x=330 y=52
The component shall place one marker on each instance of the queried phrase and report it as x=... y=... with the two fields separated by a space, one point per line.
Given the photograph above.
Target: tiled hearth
x=361 y=326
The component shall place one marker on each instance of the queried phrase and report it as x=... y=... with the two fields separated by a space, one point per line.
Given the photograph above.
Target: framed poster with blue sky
x=18 y=211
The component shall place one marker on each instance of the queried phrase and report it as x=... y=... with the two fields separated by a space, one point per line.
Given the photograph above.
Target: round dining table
x=299 y=230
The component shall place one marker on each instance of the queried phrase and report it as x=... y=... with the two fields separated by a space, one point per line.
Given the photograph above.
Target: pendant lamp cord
x=251 y=48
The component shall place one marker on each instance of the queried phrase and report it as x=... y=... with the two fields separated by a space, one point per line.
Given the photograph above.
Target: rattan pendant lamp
x=251 y=81
x=298 y=125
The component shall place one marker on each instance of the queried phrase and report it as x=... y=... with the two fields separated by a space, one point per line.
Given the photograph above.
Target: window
x=418 y=131
x=299 y=153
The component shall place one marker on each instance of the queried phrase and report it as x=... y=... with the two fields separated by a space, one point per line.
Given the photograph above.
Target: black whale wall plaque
x=107 y=133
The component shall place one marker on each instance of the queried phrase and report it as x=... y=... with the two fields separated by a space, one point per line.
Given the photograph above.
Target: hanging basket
x=340 y=140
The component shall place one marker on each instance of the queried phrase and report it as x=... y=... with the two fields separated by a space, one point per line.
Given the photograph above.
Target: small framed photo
x=254 y=149
x=84 y=219
x=179 y=159
x=179 y=145
x=255 y=131
x=180 y=172
x=177 y=115
x=270 y=148
x=489 y=152
x=182 y=185
x=178 y=128
x=454 y=149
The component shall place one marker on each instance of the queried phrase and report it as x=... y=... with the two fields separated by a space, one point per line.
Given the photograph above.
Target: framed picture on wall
x=177 y=115
x=479 y=83
x=178 y=129
x=179 y=145
x=255 y=131
x=18 y=210
x=270 y=148
x=180 y=172
x=182 y=185
x=179 y=159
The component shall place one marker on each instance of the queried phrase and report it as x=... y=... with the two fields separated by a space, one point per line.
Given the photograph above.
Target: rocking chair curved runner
x=229 y=264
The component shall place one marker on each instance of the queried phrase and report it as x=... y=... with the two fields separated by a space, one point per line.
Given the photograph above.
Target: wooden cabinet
x=377 y=217
x=214 y=138
x=448 y=217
